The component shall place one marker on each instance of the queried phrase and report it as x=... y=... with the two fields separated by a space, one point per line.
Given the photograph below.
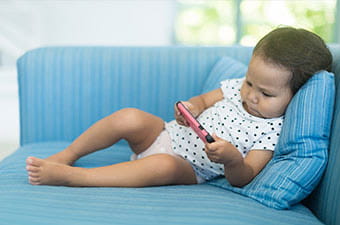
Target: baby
x=244 y=115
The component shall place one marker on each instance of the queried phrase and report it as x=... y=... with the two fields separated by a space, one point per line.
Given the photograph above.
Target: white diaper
x=162 y=144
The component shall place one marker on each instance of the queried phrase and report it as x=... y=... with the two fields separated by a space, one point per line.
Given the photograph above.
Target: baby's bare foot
x=44 y=172
x=66 y=157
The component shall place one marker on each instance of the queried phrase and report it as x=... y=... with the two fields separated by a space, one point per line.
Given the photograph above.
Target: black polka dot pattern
x=231 y=122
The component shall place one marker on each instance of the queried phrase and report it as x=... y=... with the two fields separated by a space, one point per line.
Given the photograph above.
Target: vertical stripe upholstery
x=63 y=90
x=325 y=201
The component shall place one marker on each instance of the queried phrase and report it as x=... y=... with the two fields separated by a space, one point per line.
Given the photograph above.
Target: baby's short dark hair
x=298 y=50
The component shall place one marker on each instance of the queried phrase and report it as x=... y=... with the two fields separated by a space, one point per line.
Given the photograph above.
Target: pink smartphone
x=194 y=124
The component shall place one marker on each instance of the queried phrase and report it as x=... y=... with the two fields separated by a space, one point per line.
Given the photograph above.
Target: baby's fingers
x=179 y=118
x=212 y=156
x=209 y=150
x=181 y=121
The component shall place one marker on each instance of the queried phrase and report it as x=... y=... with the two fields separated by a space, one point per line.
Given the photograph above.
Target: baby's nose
x=252 y=97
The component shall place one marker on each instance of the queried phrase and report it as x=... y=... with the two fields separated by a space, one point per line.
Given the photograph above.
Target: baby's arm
x=238 y=171
x=198 y=104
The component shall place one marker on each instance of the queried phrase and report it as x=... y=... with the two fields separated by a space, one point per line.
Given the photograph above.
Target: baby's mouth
x=250 y=110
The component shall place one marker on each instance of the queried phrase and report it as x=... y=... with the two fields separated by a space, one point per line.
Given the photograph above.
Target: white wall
x=33 y=23
x=131 y=22
x=28 y=24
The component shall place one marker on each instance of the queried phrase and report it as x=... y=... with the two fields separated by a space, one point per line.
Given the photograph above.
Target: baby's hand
x=178 y=116
x=221 y=151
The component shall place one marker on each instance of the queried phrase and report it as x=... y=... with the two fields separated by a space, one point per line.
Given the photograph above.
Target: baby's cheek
x=272 y=110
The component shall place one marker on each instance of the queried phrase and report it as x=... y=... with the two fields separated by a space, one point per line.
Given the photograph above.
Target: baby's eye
x=249 y=84
x=267 y=95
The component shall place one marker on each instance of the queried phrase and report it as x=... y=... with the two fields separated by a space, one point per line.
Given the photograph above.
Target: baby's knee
x=129 y=111
x=128 y=116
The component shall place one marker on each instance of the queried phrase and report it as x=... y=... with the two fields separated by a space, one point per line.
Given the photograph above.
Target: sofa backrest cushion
x=64 y=90
x=301 y=154
x=225 y=67
x=324 y=201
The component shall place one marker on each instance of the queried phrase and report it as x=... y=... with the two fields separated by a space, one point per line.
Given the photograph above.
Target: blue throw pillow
x=225 y=68
x=301 y=154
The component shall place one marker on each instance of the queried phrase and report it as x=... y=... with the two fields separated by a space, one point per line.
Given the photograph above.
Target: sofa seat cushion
x=180 y=204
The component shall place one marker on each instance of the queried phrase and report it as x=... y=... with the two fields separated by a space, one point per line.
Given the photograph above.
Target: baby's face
x=265 y=92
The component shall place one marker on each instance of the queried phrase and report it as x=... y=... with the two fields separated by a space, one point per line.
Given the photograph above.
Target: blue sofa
x=63 y=90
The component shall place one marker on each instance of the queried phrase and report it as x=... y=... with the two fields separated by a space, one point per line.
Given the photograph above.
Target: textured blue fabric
x=63 y=90
x=204 y=204
x=301 y=154
x=325 y=201
x=225 y=68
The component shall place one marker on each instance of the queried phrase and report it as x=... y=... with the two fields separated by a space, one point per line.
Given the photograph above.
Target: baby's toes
x=33 y=161
x=32 y=169
x=34 y=180
x=33 y=174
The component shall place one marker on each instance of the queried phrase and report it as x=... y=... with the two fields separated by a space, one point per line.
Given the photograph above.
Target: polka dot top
x=230 y=121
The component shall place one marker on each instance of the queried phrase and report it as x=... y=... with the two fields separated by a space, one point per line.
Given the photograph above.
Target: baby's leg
x=158 y=169
x=139 y=128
